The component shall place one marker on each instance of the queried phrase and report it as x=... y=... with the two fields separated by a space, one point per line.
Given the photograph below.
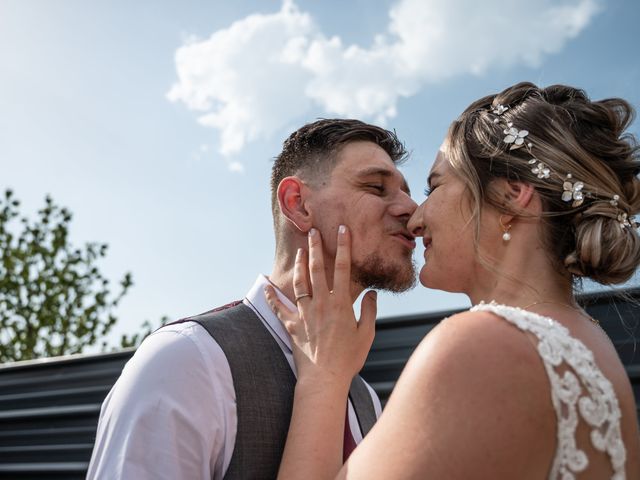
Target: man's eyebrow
x=384 y=172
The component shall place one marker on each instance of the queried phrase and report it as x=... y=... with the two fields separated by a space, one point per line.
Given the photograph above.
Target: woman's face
x=444 y=221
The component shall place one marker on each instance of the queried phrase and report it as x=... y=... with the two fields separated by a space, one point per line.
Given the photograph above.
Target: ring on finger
x=302 y=295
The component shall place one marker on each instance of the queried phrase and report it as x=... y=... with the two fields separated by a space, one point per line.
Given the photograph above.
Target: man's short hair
x=311 y=151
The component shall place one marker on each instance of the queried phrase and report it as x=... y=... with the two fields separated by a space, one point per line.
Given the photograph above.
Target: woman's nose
x=415 y=224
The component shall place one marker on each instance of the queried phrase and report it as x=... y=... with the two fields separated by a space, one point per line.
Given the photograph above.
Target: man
x=210 y=396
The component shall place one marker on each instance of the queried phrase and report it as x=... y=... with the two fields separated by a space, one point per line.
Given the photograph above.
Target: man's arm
x=171 y=414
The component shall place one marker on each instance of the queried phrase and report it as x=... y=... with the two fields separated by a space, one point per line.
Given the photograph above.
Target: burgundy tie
x=349 y=443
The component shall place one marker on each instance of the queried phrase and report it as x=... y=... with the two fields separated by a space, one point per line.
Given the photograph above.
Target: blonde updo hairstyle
x=570 y=134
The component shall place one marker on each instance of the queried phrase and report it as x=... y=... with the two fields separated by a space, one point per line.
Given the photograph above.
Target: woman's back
x=595 y=409
x=476 y=401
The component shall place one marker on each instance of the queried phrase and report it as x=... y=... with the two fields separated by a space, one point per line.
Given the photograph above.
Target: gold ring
x=302 y=295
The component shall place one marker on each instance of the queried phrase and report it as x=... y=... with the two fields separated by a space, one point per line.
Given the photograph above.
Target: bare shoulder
x=477 y=387
x=475 y=340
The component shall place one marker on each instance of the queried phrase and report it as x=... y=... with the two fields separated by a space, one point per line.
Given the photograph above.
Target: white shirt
x=172 y=413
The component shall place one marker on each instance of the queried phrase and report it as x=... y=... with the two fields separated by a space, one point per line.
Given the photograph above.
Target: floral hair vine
x=572 y=190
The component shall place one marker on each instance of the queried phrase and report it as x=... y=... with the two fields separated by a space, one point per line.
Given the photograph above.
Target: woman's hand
x=328 y=343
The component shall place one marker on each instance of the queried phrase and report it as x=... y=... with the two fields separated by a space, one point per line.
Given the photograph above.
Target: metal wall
x=49 y=412
x=49 y=408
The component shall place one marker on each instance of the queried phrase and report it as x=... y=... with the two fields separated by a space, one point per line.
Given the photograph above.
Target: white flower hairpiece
x=514 y=136
x=572 y=191
x=627 y=221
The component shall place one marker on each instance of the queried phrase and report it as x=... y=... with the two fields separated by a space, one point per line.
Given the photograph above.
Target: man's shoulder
x=189 y=329
x=186 y=340
x=217 y=312
x=183 y=343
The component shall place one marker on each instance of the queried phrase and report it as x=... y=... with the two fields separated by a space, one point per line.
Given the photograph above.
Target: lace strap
x=579 y=391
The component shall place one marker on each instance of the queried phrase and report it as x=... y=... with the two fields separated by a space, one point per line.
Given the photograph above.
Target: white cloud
x=241 y=80
x=235 y=167
x=263 y=72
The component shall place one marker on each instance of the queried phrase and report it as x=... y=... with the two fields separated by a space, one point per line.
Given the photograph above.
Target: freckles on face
x=447 y=230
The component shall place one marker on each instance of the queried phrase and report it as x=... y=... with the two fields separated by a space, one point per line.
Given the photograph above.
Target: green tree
x=147 y=328
x=53 y=299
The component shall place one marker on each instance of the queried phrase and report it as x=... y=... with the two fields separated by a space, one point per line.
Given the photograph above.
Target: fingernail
x=374 y=295
x=299 y=253
x=342 y=229
x=312 y=232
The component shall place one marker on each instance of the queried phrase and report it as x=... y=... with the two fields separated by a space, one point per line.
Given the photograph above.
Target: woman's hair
x=577 y=156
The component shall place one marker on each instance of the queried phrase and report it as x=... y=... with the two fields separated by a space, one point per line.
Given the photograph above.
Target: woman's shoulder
x=476 y=345
x=471 y=380
x=478 y=331
x=479 y=355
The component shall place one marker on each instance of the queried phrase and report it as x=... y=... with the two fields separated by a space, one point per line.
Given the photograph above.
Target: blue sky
x=155 y=122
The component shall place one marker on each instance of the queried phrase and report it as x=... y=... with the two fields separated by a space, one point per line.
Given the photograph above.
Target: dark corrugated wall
x=397 y=337
x=48 y=414
x=49 y=409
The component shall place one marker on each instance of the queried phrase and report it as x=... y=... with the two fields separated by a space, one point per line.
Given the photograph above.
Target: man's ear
x=292 y=202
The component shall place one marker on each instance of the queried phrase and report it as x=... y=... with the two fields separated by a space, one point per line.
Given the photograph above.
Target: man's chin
x=380 y=275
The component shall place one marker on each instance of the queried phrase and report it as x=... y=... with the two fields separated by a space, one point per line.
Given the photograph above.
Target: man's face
x=368 y=194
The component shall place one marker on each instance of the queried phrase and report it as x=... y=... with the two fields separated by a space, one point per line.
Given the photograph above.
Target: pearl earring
x=506 y=236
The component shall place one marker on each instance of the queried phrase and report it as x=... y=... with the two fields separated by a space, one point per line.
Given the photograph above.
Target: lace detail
x=582 y=389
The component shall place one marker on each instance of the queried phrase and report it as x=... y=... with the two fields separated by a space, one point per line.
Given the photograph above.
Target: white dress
x=579 y=390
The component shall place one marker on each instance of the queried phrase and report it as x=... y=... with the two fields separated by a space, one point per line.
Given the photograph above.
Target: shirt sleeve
x=170 y=414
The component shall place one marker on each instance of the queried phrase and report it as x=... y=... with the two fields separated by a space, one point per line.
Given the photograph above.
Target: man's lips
x=426 y=241
x=406 y=238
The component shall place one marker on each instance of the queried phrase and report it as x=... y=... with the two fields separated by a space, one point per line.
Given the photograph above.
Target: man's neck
x=282 y=277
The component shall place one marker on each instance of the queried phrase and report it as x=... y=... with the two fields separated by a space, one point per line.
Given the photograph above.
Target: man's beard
x=374 y=272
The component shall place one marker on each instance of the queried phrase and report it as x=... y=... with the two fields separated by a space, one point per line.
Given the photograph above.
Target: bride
x=532 y=190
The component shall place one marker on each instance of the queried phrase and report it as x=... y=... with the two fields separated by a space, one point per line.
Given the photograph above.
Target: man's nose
x=404 y=205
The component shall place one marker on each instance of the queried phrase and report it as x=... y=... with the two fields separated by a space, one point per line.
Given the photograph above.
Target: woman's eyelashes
x=428 y=190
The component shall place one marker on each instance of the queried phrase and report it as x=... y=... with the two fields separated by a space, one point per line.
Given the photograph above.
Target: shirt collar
x=258 y=302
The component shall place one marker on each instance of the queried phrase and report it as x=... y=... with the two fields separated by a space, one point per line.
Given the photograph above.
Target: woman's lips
x=426 y=241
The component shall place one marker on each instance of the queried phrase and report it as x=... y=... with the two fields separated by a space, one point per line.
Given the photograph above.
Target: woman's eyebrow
x=433 y=176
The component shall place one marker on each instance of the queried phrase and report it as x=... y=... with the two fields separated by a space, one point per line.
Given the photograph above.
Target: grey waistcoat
x=263 y=384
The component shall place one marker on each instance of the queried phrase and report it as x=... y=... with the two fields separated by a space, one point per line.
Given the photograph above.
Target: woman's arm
x=329 y=349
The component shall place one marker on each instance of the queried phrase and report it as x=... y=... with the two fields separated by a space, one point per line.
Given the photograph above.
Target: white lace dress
x=580 y=391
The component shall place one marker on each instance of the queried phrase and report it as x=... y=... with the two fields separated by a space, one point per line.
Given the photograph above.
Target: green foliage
x=128 y=341
x=53 y=299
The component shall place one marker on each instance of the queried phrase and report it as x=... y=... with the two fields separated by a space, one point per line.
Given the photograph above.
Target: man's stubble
x=377 y=273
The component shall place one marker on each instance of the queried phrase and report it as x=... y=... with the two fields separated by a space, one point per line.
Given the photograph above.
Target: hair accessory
x=499 y=110
x=614 y=200
x=627 y=221
x=506 y=236
x=541 y=170
x=572 y=191
x=514 y=136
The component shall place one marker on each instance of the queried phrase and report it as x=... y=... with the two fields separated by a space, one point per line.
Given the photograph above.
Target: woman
x=532 y=190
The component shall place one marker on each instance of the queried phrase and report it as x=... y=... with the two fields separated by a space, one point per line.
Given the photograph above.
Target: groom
x=210 y=396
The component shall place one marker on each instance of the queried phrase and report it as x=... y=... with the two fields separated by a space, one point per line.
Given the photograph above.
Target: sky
x=156 y=122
